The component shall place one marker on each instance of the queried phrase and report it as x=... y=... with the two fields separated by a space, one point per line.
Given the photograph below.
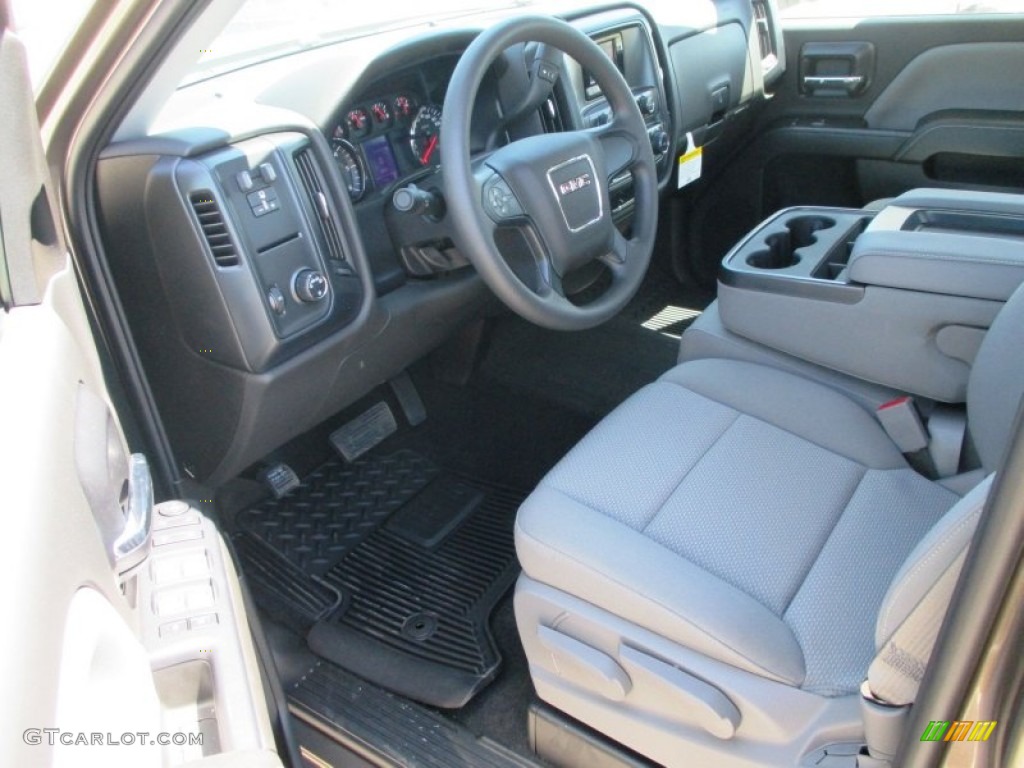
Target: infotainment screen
x=612 y=47
x=381 y=159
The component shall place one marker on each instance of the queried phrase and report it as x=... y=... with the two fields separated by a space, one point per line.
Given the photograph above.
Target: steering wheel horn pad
x=563 y=192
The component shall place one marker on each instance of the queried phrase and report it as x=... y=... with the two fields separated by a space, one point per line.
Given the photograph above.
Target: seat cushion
x=740 y=511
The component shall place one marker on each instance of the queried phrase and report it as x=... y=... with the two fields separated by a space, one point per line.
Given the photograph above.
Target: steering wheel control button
x=310 y=286
x=275 y=300
x=577 y=192
x=500 y=201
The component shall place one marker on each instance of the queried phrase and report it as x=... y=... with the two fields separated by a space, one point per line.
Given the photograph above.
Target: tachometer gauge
x=424 y=135
x=358 y=122
x=352 y=169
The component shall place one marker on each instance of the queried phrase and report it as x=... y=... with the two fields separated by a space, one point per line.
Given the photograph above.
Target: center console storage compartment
x=900 y=298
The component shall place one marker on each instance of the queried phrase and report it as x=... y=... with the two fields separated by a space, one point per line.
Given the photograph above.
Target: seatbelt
x=946 y=428
x=943 y=437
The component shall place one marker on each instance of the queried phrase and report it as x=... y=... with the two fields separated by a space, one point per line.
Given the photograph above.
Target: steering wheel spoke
x=619 y=145
x=621 y=256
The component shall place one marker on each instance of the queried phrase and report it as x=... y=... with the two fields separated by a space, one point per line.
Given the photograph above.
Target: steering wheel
x=546 y=196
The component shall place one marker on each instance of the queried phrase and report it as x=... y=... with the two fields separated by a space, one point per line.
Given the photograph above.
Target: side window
x=828 y=9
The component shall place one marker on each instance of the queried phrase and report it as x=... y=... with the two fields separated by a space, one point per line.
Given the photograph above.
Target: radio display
x=381 y=159
x=612 y=48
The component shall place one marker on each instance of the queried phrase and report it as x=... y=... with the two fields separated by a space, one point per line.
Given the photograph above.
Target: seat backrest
x=996 y=385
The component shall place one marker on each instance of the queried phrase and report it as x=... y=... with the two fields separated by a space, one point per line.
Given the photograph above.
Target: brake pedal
x=408 y=399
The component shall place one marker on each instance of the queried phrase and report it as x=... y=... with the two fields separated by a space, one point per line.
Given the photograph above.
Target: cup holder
x=782 y=247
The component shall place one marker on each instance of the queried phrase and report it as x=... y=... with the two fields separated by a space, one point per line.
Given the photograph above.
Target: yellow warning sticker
x=690 y=163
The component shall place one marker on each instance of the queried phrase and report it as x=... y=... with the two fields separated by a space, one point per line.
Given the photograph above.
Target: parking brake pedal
x=280 y=478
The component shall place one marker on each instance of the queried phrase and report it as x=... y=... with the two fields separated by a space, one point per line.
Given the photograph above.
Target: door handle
x=841 y=69
x=139 y=509
x=851 y=83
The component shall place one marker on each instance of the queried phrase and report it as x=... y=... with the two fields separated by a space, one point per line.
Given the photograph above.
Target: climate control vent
x=215 y=230
x=551 y=116
x=306 y=164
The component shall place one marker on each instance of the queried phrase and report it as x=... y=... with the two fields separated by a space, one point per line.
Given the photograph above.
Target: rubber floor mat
x=417 y=593
x=282 y=589
x=336 y=507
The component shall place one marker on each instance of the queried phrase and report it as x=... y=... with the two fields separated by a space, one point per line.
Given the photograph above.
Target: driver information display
x=381 y=159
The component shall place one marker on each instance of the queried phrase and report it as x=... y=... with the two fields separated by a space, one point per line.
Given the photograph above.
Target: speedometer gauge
x=352 y=169
x=424 y=135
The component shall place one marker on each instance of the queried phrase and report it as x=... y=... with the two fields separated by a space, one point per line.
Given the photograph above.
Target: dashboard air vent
x=306 y=165
x=215 y=230
x=765 y=39
x=551 y=117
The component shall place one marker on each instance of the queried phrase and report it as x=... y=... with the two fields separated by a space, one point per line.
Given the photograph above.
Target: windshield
x=263 y=29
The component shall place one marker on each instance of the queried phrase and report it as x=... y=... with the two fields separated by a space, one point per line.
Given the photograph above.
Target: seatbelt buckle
x=901 y=421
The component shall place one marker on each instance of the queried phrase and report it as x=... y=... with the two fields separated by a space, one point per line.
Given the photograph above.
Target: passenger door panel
x=930 y=101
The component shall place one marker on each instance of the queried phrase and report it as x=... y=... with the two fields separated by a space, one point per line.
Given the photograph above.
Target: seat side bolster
x=806 y=408
x=579 y=550
x=929 y=560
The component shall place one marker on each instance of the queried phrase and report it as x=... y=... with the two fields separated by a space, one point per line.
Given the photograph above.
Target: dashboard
x=281 y=240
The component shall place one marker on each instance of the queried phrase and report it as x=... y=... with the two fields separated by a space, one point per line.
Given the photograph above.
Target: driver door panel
x=90 y=678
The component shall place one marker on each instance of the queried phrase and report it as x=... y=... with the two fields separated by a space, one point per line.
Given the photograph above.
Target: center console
x=901 y=297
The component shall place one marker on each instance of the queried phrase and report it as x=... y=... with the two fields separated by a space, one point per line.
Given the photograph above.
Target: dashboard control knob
x=647 y=104
x=275 y=299
x=310 y=286
x=659 y=141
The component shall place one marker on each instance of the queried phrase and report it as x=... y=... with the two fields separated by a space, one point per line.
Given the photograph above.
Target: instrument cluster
x=385 y=138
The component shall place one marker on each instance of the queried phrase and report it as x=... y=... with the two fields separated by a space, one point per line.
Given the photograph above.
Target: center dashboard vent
x=305 y=162
x=215 y=230
x=551 y=116
x=765 y=38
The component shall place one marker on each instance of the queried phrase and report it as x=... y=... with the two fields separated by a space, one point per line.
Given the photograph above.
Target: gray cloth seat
x=742 y=527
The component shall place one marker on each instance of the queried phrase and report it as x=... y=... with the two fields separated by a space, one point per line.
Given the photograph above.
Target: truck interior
x=557 y=384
